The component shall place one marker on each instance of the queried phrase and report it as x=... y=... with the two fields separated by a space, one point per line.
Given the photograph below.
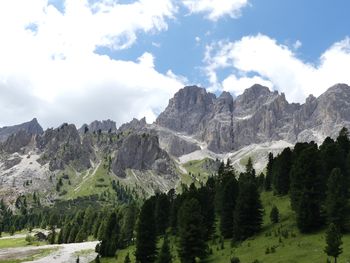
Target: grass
x=18 y=242
x=90 y=183
x=13 y=242
x=200 y=169
x=294 y=248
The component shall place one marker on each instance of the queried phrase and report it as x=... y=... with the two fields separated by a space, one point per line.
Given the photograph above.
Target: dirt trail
x=66 y=253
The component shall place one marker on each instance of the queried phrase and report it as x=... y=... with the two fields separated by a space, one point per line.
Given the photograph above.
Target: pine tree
x=281 y=169
x=268 y=178
x=110 y=239
x=248 y=212
x=127 y=258
x=162 y=210
x=230 y=194
x=333 y=242
x=336 y=201
x=165 y=254
x=146 y=238
x=191 y=235
x=274 y=215
x=307 y=189
x=343 y=140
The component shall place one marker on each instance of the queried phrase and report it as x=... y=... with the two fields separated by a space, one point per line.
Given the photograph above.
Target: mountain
x=96 y=126
x=32 y=127
x=183 y=145
x=257 y=116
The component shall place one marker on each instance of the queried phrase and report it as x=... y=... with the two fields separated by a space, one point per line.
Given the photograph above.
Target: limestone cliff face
x=96 y=126
x=32 y=128
x=63 y=146
x=141 y=151
x=258 y=115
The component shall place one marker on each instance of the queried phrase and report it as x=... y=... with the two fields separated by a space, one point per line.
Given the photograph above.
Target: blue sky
x=80 y=60
x=316 y=24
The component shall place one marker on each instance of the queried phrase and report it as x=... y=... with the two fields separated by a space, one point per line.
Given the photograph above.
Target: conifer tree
x=281 y=170
x=274 y=215
x=127 y=258
x=333 y=242
x=230 y=193
x=110 y=239
x=191 y=235
x=248 y=211
x=336 y=201
x=146 y=238
x=165 y=254
x=268 y=178
x=162 y=211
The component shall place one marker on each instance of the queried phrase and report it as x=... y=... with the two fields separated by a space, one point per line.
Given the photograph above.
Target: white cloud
x=49 y=67
x=215 y=9
x=270 y=61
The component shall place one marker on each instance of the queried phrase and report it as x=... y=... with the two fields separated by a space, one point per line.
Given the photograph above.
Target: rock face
x=32 y=128
x=134 y=125
x=103 y=126
x=257 y=116
x=62 y=146
x=141 y=151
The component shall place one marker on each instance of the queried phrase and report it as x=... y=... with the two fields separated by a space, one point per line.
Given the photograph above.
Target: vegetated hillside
x=280 y=217
x=277 y=243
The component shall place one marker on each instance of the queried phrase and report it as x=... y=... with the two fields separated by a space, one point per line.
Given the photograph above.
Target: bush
x=235 y=260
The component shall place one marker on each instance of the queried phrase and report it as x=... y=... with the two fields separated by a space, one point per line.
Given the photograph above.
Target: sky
x=77 y=61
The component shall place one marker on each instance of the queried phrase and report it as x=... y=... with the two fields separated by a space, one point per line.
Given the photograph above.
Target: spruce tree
x=268 y=178
x=165 y=254
x=248 y=212
x=333 y=242
x=307 y=189
x=146 y=238
x=127 y=258
x=274 y=215
x=162 y=211
x=110 y=239
x=191 y=235
x=230 y=194
x=281 y=170
x=336 y=201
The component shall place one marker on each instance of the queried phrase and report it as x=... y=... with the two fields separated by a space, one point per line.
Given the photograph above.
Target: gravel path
x=66 y=253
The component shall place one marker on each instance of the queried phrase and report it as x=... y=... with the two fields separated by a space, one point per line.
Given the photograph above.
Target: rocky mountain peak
x=103 y=126
x=186 y=109
x=31 y=127
x=254 y=92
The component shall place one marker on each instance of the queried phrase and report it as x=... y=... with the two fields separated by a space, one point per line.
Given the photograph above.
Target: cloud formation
x=216 y=9
x=260 y=59
x=49 y=66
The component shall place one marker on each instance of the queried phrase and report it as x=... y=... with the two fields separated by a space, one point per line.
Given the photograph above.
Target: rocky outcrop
x=102 y=126
x=32 y=128
x=17 y=141
x=258 y=115
x=134 y=125
x=141 y=151
x=62 y=146
x=186 y=110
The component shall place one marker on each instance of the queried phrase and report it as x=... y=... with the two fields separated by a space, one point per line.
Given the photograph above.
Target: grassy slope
x=298 y=248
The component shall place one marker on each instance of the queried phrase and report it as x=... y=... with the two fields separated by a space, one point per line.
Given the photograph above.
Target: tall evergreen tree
x=269 y=170
x=109 y=243
x=165 y=254
x=344 y=141
x=274 y=215
x=230 y=193
x=146 y=238
x=162 y=211
x=248 y=211
x=191 y=235
x=336 y=201
x=281 y=170
x=333 y=242
x=307 y=189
